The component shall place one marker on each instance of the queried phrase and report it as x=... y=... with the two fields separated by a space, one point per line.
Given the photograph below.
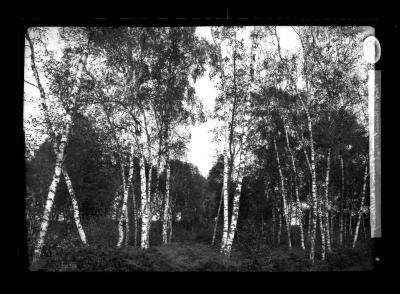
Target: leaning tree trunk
x=59 y=151
x=216 y=218
x=51 y=194
x=285 y=208
x=60 y=155
x=74 y=206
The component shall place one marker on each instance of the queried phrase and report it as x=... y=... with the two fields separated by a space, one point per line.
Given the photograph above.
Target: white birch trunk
x=166 y=214
x=234 y=218
x=144 y=205
x=51 y=195
x=225 y=202
x=122 y=218
x=299 y=212
x=135 y=218
x=327 y=226
x=285 y=207
x=149 y=200
x=235 y=205
x=59 y=152
x=128 y=185
x=74 y=206
x=322 y=229
x=313 y=192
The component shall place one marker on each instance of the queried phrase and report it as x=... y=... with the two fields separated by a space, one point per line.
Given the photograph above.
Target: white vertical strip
x=374 y=151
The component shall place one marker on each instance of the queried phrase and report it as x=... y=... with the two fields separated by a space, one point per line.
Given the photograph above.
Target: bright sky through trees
x=202 y=151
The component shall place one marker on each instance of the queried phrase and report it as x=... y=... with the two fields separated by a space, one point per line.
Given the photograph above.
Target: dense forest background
x=109 y=189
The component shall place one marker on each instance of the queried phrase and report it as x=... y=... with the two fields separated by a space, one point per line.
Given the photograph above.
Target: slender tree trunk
x=128 y=186
x=326 y=200
x=216 y=218
x=166 y=214
x=279 y=227
x=144 y=204
x=135 y=218
x=331 y=225
x=299 y=212
x=122 y=218
x=149 y=206
x=235 y=216
x=116 y=203
x=322 y=229
x=225 y=202
x=285 y=207
x=235 y=205
x=59 y=152
x=127 y=226
x=341 y=204
x=273 y=221
x=313 y=192
x=171 y=218
x=52 y=193
x=74 y=206
x=360 y=212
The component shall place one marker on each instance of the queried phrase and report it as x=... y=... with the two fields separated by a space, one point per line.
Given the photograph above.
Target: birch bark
x=166 y=214
x=360 y=211
x=299 y=212
x=326 y=200
x=74 y=206
x=285 y=207
x=144 y=205
x=122 y=218
x=235 y=205
x=60 y=155
x=322 y=229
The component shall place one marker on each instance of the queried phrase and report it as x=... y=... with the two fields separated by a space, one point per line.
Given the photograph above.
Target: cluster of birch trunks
x=148 y=132
x=138 y=146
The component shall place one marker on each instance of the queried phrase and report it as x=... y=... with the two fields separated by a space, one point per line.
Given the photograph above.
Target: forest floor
x=193 y=254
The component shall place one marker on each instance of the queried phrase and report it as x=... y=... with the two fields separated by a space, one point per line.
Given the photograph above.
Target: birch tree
x=70 y=108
